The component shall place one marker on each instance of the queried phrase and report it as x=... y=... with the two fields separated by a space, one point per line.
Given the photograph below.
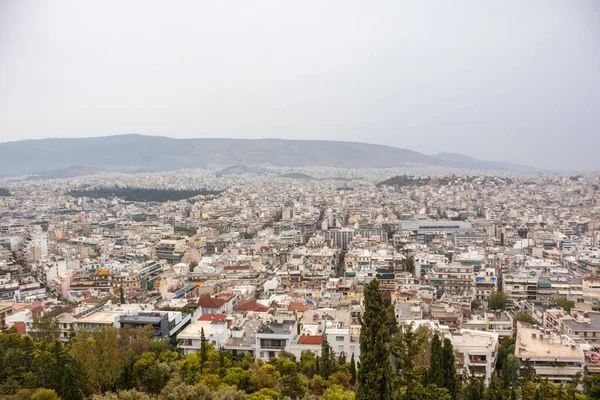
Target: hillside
x=131 y=153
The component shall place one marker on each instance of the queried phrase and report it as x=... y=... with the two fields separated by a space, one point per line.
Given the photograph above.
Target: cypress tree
x=352 y=370
x=449 y=369
x=374 y=371
x=437 y=365
x=328 y=361
x=342 y=359
x=203 y=348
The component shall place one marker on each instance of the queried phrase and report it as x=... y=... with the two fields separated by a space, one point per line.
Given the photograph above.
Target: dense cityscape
x=266 y=282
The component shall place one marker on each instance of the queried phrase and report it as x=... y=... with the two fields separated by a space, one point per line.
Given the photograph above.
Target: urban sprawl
x=268 y=263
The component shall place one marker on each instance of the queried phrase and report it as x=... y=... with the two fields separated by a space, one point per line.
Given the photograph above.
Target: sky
x=508 y=80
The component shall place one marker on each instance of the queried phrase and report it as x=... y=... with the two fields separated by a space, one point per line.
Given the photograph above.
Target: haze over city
x=299 y=200
x=505 y=81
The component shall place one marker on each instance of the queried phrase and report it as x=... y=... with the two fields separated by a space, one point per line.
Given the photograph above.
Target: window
x=339 y=338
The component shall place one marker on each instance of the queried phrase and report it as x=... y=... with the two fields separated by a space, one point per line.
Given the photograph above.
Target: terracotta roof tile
x=212 y=317
x=310 y=339
x=250 y=305
x=211 y=302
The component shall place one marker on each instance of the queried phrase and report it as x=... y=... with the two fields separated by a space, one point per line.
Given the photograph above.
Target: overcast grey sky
x=508 y=80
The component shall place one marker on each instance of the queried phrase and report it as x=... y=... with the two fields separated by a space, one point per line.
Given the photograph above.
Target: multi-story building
x=171 y=249
x=479 y=352
x=452 y=278
x=273 y=336
x=521 y=285
x=166 y=324
x=553 y=357
x=216 y=332
x=486 y=283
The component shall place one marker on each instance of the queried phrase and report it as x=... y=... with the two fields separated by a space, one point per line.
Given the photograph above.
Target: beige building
x=553 y=357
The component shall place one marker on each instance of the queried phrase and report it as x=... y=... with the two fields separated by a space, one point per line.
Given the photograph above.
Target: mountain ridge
x=131 y=152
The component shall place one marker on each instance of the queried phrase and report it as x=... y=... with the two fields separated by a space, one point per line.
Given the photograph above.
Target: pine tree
x=122 y=295
x=437 y=365
x=374 y=371
x=352 y=370
x=450 y=378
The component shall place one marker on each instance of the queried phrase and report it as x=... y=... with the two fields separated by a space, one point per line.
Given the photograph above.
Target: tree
x=45 y=328
x=264 y=376
x=565 y=304
x=237 y=377
x=99 y=356
x=151 y=374
x=341 y=378
x=73 y=383
x=175 y=390
x=437 y=362
x=497 y=301
x=410 y=264
x=341 y=359
x=318 y=385
x=291 y=383
x=44 y=394
x=374 y=372
x=121 y=295
x=203 y=349
x=193 y=265
x=507 y=346
x=352 y=370
x=449 y=365
x=308 y=363
x=591 y=384
x=523 y=317
x=328 y=361
x=337 y=392
x=474 y=388
x=510 y=372
x=265 y=394
x=229 y=393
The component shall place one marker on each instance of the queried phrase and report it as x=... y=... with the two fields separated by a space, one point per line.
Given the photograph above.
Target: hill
x=131 y=153
x=70 y=172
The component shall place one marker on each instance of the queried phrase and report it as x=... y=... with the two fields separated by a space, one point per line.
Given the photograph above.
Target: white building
x=479 y=351
x=215 y=331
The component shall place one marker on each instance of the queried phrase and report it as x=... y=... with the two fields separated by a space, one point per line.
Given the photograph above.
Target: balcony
x=272 y=344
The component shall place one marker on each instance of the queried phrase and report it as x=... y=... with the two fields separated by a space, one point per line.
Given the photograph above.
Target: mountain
x=70 y=172
x=133 y=152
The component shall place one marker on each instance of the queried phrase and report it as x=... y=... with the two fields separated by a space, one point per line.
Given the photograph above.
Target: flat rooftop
x=248 y=339
x=528 y=346
x=474 y=340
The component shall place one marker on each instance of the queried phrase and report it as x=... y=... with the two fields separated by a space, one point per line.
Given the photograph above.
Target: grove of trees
x=142 y=194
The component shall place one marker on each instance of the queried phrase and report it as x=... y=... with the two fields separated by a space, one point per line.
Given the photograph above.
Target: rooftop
x=533 y=343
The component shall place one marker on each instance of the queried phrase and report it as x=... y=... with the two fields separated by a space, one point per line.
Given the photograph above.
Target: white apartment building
x=215 y=332
x=452 y=278
x=479 y=352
